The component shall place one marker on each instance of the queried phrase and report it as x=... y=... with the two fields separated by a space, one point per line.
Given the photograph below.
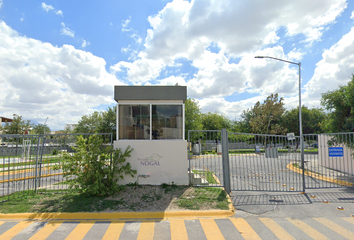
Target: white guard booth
x=150 y=119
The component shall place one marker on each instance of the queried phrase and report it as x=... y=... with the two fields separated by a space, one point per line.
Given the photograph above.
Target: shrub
x=55 y=152
x=96 y=169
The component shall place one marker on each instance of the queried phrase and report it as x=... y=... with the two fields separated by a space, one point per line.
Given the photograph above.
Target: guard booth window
x=134 y=122
x=167 y=122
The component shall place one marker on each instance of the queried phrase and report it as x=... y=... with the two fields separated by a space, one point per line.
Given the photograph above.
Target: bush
x=97 y=169
x=55 y=152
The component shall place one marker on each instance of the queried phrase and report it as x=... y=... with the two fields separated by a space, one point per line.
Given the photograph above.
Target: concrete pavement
x=318 y=214
x=230 y=228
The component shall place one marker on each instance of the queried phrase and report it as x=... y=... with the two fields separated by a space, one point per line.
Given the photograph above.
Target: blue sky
x=61 y=59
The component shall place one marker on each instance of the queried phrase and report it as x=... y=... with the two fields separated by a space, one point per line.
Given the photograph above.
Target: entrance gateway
x=259 y=162
x=150 y=119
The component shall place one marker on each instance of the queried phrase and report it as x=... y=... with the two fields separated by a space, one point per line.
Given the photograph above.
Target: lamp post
x=45 y=124
x=300 y=116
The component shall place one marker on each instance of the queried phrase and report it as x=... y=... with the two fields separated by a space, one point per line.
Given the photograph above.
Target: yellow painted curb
x=19 y=171
x=318 y=176
x=31 y=177
x=118 y=215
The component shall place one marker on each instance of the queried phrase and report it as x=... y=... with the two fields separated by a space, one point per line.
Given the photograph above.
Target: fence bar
x=225 y=160
x=27 y=162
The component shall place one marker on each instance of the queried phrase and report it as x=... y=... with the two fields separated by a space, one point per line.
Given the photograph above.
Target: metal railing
x=260 y=162
x=329 y=160
x=29 y=162
x=205 y=160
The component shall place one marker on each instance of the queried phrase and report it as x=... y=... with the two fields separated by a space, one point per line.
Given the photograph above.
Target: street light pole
x=45 y=124
x=300 y=117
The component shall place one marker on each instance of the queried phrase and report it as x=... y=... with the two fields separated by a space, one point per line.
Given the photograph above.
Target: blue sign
x=335 y=151
x=258 y=149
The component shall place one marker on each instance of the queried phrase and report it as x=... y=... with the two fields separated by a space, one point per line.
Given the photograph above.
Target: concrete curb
x=26 y=178
x=318 y=176
x=119 y=215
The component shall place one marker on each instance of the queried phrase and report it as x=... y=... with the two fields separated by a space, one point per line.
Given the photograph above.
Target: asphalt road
x=251 y=172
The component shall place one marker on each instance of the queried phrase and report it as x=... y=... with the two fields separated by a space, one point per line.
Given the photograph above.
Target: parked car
x=314 y=145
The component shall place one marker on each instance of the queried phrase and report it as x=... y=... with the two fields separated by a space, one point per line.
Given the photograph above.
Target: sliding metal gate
x=261 y=163
x=329 y=160
x=258 y=162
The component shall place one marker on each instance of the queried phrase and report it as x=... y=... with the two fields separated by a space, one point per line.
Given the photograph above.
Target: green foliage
x=244 y=123
x=55 y=152
x=192 y=116
x=265 y=117
x=215 y=121
x=98 y=122
x=341 y=104
x=40 y=129
x=312 y=120
x=95 y=173
x=17 y=126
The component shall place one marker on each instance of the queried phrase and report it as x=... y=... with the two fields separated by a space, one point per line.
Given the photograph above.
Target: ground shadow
x=342 y=195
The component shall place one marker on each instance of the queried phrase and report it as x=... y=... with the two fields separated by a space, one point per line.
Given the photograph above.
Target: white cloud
x=66 y=31
x=182 y=25
x=295 y=55
x=135 y=35
x=46 y=7
x=335 y=68
x=185 y=29
x=1 y=3
x=21 y=19
x=125 y=25
x=85 y=43
x=140 y=71
x=352 y=16
x=40 y=80
x=59 y=12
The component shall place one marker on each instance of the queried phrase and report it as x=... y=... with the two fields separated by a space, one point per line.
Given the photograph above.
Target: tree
x=40 y=129
x=312 y=120
x=215 y=121
x=192 y=116
x=89 y=123
x=265 y=118
x=340 y=103
x=109 y=122
x=244 y=123
x=98 y=122
x=17 y=126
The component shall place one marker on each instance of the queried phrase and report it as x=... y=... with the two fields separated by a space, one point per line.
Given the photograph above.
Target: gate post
x=35 y=179
x=225 y=160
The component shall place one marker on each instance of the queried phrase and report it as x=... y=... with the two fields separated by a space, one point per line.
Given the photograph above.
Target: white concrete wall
x=165 y=161
x=344 y=164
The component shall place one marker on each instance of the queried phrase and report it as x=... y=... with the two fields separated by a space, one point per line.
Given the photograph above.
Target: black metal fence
x=29 y=162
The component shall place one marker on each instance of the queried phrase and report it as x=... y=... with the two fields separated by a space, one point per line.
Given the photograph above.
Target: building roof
x=4 y=119
x=150 y=93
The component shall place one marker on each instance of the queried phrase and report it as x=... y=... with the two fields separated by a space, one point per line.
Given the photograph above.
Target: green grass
x=200 y=198
x=48 y=201
x=66 y=182
x=169 y=187
x=207 y=175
